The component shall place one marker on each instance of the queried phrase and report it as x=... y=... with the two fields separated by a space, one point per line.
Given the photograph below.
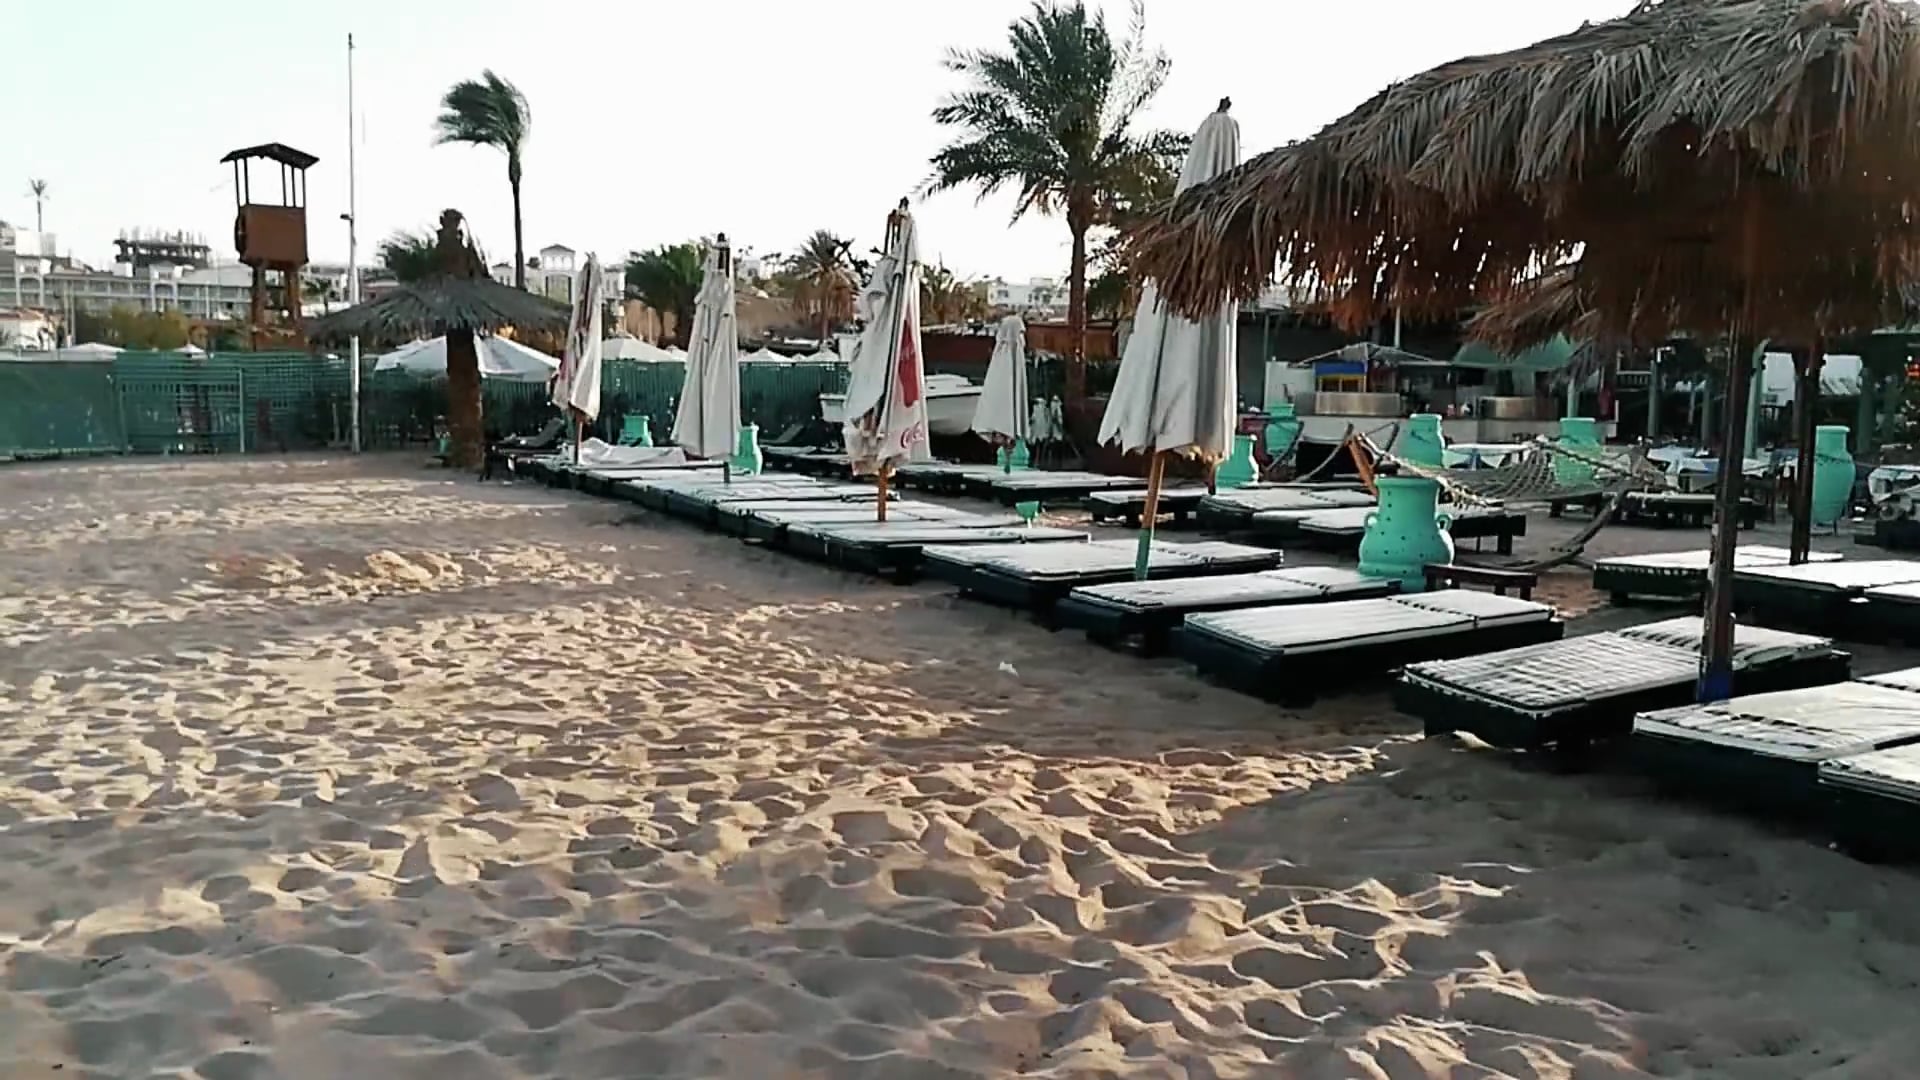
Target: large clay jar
x=1239 y=469
x=1406 y=532
x=1832 y=475
x=1283 y=429
x=1422 y=444
x=1582 y=436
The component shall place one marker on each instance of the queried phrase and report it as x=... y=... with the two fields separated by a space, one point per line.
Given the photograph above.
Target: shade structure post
x=1653 y=397
x=1716 y=652
x=1143 y=558
x=881 y=477
x=578 y=430
x=1806 y=393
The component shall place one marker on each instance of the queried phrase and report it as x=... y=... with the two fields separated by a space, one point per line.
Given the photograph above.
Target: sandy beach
x=312 y=768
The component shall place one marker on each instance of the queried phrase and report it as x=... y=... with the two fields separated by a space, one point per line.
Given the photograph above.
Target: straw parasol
x=458 y=302
x=1739 y=168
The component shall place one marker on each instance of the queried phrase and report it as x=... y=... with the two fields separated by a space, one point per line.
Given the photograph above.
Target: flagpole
x=353 y=262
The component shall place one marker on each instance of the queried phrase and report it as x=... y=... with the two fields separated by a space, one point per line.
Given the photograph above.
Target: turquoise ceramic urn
x=1238 y=470
x=1582 y=436
x=1283 y=429
x=747 y=460
x=1422 y=445
x=1832 y=475
x=1406 y=532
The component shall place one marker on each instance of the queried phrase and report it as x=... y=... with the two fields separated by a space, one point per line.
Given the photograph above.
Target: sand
x=315 y=768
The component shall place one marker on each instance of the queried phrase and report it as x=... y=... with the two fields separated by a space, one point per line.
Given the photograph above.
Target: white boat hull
x=949 y=412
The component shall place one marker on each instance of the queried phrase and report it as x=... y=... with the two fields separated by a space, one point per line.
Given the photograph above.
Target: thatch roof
x=1711 y=163
x=440 y=305
x=460 y=297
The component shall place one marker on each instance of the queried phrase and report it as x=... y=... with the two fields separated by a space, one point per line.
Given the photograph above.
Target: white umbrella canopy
x=191 y=350
x=632 y=348
x=91 y=348
x=886 y=404
x=500 y=358
x=762 y=355
x=1003 y=410
x=708 y=420
x=575 y=386
x=1177 y=387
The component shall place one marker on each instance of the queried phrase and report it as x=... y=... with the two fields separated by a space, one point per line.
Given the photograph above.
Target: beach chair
x=1150 y=611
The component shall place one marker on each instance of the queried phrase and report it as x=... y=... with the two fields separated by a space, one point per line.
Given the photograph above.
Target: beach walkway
x=318 y=768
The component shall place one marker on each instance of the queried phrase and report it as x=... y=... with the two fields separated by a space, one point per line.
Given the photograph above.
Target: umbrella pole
x=577 y=426
x=1148 y=515
x=880 y=509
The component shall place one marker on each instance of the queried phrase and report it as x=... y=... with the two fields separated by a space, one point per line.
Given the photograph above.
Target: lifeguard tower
x=272 y=236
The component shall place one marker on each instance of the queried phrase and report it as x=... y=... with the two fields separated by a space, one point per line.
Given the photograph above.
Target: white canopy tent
x=500 y=358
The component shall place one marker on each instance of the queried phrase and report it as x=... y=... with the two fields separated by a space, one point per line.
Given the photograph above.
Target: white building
x=216 y=292
x=1034 y=294
x=550 y=274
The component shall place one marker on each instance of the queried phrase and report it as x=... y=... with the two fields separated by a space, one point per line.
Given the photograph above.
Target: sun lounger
x=730 y=516
x=1151 y=610
x=1228 y=510
x=1585 y=689
x=1289 y=654
x=1893 y=611
x=1047 y=486
x=1872 y=802
x=1128 y=505
x=1680 y=575
x=1344 y=528
x=895 y=548
x=1828 y=594
x=1037 y=576
x=944 y=477
x=1764 y=752
x=602 y=479
x=770 y=526
x=1665 y=509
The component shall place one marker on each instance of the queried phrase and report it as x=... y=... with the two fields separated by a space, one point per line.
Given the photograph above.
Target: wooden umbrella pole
x=1806 y=395
x=1149 y=514
x=578 y=427
x=885 y=473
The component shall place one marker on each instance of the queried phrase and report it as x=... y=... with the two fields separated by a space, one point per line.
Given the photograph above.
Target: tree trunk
x=519 y=237
x=1077 y=220
x=463 y=400
x=826 y=321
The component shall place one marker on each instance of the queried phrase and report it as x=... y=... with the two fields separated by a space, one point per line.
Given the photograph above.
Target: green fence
x=168 y=403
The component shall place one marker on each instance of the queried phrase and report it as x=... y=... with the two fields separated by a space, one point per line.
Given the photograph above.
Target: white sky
x=653 y=121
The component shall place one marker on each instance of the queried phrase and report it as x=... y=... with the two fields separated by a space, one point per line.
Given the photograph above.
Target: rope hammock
x=1583 y=472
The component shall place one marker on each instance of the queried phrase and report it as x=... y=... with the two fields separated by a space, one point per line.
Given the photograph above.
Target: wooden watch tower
x=272 y=236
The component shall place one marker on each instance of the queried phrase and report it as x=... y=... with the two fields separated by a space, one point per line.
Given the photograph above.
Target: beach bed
x=1047 y=487
x=1230 y=510
x=1666 y=509
x=810 y=461
x=1680 y=575
x=1819 y=594
x=1872 y=802
x=1290 y=654
x=1037 y=576
x=602 y=479
x=1128 y=506
x=696 y=499
x=770 y=524
x=1151 y=610
x=1764 y=752
x=945 y=477
x=1587 y=689
x=1342 y=529
x=895 y=548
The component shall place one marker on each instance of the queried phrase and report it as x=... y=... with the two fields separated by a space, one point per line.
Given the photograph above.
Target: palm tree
x=821 y=275
x=408 y=256
x=667 y=279
x=945 y=300
x=492 y=112
x=39 y=189
x=1053 y=116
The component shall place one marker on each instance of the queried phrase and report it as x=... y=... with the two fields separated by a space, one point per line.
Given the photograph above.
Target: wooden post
x=885 y=473
x=1716 y=658
x=1156 y=473
x=1806 y=396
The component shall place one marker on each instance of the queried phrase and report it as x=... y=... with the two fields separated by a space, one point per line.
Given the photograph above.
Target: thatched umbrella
x=1727 y=168
x=458 y=302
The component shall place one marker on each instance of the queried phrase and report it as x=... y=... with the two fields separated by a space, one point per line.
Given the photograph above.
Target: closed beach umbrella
x=886 y=405
x=1177 y=389
x=576 y=383
x=500 y=358
x=708 y=420
x=1002 y=415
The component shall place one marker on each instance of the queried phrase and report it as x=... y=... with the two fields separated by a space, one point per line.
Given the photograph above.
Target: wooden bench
x=1453 y=575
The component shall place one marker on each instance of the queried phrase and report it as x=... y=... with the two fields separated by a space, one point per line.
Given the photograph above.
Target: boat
x=951 y=401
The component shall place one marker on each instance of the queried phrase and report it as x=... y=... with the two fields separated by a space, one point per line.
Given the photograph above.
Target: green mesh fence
x=170 y=403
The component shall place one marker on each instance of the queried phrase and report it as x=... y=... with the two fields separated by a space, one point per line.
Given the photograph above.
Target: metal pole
x=1653 y=397
x=1716 y=655
x=353 y=264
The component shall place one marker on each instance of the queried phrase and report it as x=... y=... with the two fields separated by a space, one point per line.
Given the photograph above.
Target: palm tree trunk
x=1077 y=220
x=825 y=321
x=463 y=399
x=519 y=236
